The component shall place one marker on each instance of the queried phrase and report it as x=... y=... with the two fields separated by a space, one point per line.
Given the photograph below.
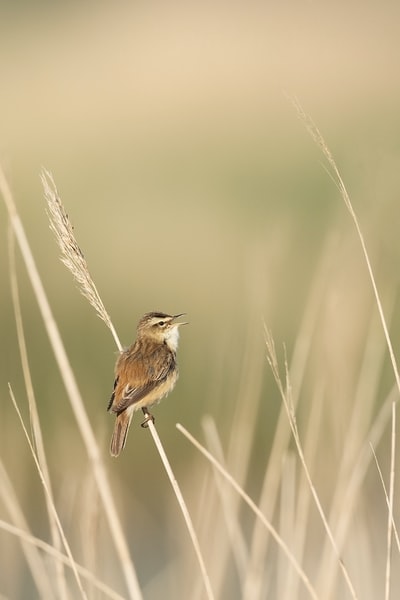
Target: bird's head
x=161 y=328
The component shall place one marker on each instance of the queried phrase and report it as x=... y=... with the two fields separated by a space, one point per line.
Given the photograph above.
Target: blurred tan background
x=193 y=187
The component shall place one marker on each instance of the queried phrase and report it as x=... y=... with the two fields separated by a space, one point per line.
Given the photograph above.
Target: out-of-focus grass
x=193 y=188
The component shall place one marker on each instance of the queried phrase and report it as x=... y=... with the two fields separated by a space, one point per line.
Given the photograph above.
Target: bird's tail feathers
x=120 y=432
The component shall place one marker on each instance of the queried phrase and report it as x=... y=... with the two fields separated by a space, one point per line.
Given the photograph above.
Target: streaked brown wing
x=134 y=395
x=140 y=376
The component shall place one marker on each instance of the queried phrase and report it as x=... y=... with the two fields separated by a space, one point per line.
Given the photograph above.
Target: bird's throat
x=172 y=339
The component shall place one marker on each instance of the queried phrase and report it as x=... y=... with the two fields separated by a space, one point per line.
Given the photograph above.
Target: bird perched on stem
x=144 y=373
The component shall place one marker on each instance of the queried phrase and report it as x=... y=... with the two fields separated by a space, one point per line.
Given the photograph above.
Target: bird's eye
x=161 y=323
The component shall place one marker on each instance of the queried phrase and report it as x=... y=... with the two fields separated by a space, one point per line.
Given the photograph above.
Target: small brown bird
x=144 y=373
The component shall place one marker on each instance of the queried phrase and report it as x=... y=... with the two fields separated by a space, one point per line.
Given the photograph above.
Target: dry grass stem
x=285 y=392
x=337 y=178
x=27 y=538
x=396 y=535
x=184 y=509
x=49 y=497
x=253 y=507
x=271 y=483
x=39 y=570
x=287 y=523
x=355 y=454
x=237 y=543
x=34 y=417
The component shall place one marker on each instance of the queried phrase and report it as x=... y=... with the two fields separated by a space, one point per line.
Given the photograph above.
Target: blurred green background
x=192 y=186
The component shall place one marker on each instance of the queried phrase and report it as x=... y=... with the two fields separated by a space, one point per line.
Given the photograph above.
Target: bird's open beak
x=177 y=317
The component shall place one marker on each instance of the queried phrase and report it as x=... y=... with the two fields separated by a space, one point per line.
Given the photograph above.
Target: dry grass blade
x=49 y=498
x=236 y=538
x=285 y=392
x=37 y=566
x=337 y=178
x=35 y=542
x=34 y=416
x=396 y=535
x=334 y=173
x=281 y=439
x=253 y=507
x=71 y=254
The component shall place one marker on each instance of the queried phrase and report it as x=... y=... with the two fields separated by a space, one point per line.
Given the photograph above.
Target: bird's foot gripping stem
x=147 y=417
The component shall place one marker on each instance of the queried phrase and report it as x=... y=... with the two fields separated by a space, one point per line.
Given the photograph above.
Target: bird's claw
x=147 y=417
